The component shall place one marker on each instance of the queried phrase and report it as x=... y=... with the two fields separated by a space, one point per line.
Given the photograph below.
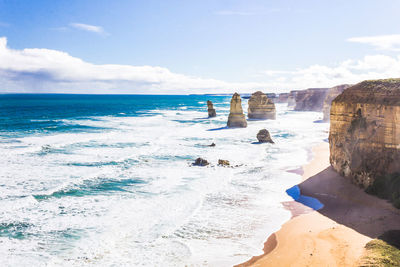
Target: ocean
x=106 y=180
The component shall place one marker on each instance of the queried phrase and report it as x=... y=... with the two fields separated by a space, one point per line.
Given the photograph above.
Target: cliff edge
x=364 y=136
x=332 y=94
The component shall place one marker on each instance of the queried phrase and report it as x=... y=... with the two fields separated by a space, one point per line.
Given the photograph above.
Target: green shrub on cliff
x=383 y=251
x=387 y=187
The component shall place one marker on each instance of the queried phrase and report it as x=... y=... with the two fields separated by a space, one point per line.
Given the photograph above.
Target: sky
x=187 y=46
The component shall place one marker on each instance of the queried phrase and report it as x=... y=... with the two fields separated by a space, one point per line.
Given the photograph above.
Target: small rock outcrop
x=212 y=145
x=311 y=99
x=261 y=107
x=332 y=94
x=263 y=136
x=223 y=162
x=200 y=162
x=236 y=117
x=211 y=110
x=364 y=136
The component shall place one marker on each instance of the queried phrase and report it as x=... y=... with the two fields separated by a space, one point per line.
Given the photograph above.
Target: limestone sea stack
x=311 y=99
x=332 y=94
x=211 y=110
x=261 y=107
x=236 y=117
x=364 y=136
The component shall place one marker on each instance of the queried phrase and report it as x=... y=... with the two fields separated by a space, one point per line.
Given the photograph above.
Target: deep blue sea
x=106 y=180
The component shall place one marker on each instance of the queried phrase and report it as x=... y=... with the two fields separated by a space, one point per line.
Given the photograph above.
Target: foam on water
x=127 y=195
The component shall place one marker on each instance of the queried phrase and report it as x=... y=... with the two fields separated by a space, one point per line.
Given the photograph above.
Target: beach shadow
x=348 y=204
x=310 y=202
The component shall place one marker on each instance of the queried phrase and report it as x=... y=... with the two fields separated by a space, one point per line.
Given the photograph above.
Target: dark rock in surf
x=200 y=162
x=263 y=136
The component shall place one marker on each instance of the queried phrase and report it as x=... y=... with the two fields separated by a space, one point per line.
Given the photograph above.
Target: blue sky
x=195 y=46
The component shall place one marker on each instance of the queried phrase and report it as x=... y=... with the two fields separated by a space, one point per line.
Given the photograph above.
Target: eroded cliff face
x=236 y=117
x=364 y=136
x=311 y=99
x=332 y=94
x=292 y=98
x=261 y=107
x=282 y=98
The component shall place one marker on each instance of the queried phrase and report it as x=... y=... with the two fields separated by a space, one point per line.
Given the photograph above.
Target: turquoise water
x=107 y=180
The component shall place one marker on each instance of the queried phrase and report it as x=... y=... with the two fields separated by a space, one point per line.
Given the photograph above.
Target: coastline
x=334 y=235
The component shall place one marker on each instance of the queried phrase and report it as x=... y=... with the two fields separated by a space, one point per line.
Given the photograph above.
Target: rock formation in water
x=292 y=98
x=364 y=136
x=332 y=94
x=236 y=117
x=200 y=162
x=263 y=136
x=211 y=110
x=261 y=107
x=223 y=162
x=311 y=99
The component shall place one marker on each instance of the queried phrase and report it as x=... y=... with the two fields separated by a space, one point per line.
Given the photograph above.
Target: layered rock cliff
x=282 y=98
x=332 y=94
x=261 y=107
x=311 y=99
x=236 y=117
x=364 y=136
x=211 y=110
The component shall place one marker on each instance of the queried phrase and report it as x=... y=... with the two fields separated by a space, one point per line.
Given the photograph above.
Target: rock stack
x=364 y=138
x=211 y=110
x=332 y=93
x=261 y=107
x=236 y=117
x=263 y=136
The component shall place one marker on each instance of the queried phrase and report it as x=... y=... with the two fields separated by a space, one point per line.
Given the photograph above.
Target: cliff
x=261 y=107
x=364 y=136
x=282 y=98
x=292 y=98
x=211 y=110
x=236 y=117
x=332 y=94
x=311 y=99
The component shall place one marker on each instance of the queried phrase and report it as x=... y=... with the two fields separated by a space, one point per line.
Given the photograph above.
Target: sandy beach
x=334 y=235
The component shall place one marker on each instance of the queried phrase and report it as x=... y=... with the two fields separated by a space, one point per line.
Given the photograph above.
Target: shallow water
x=107 y=180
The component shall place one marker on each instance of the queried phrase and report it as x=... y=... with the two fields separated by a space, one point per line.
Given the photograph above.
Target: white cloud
x=89 y=28
x=44 y=70
x=348 y=71
x=382 y=42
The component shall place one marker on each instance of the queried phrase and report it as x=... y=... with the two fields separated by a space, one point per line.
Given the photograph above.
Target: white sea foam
x=128 y=195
